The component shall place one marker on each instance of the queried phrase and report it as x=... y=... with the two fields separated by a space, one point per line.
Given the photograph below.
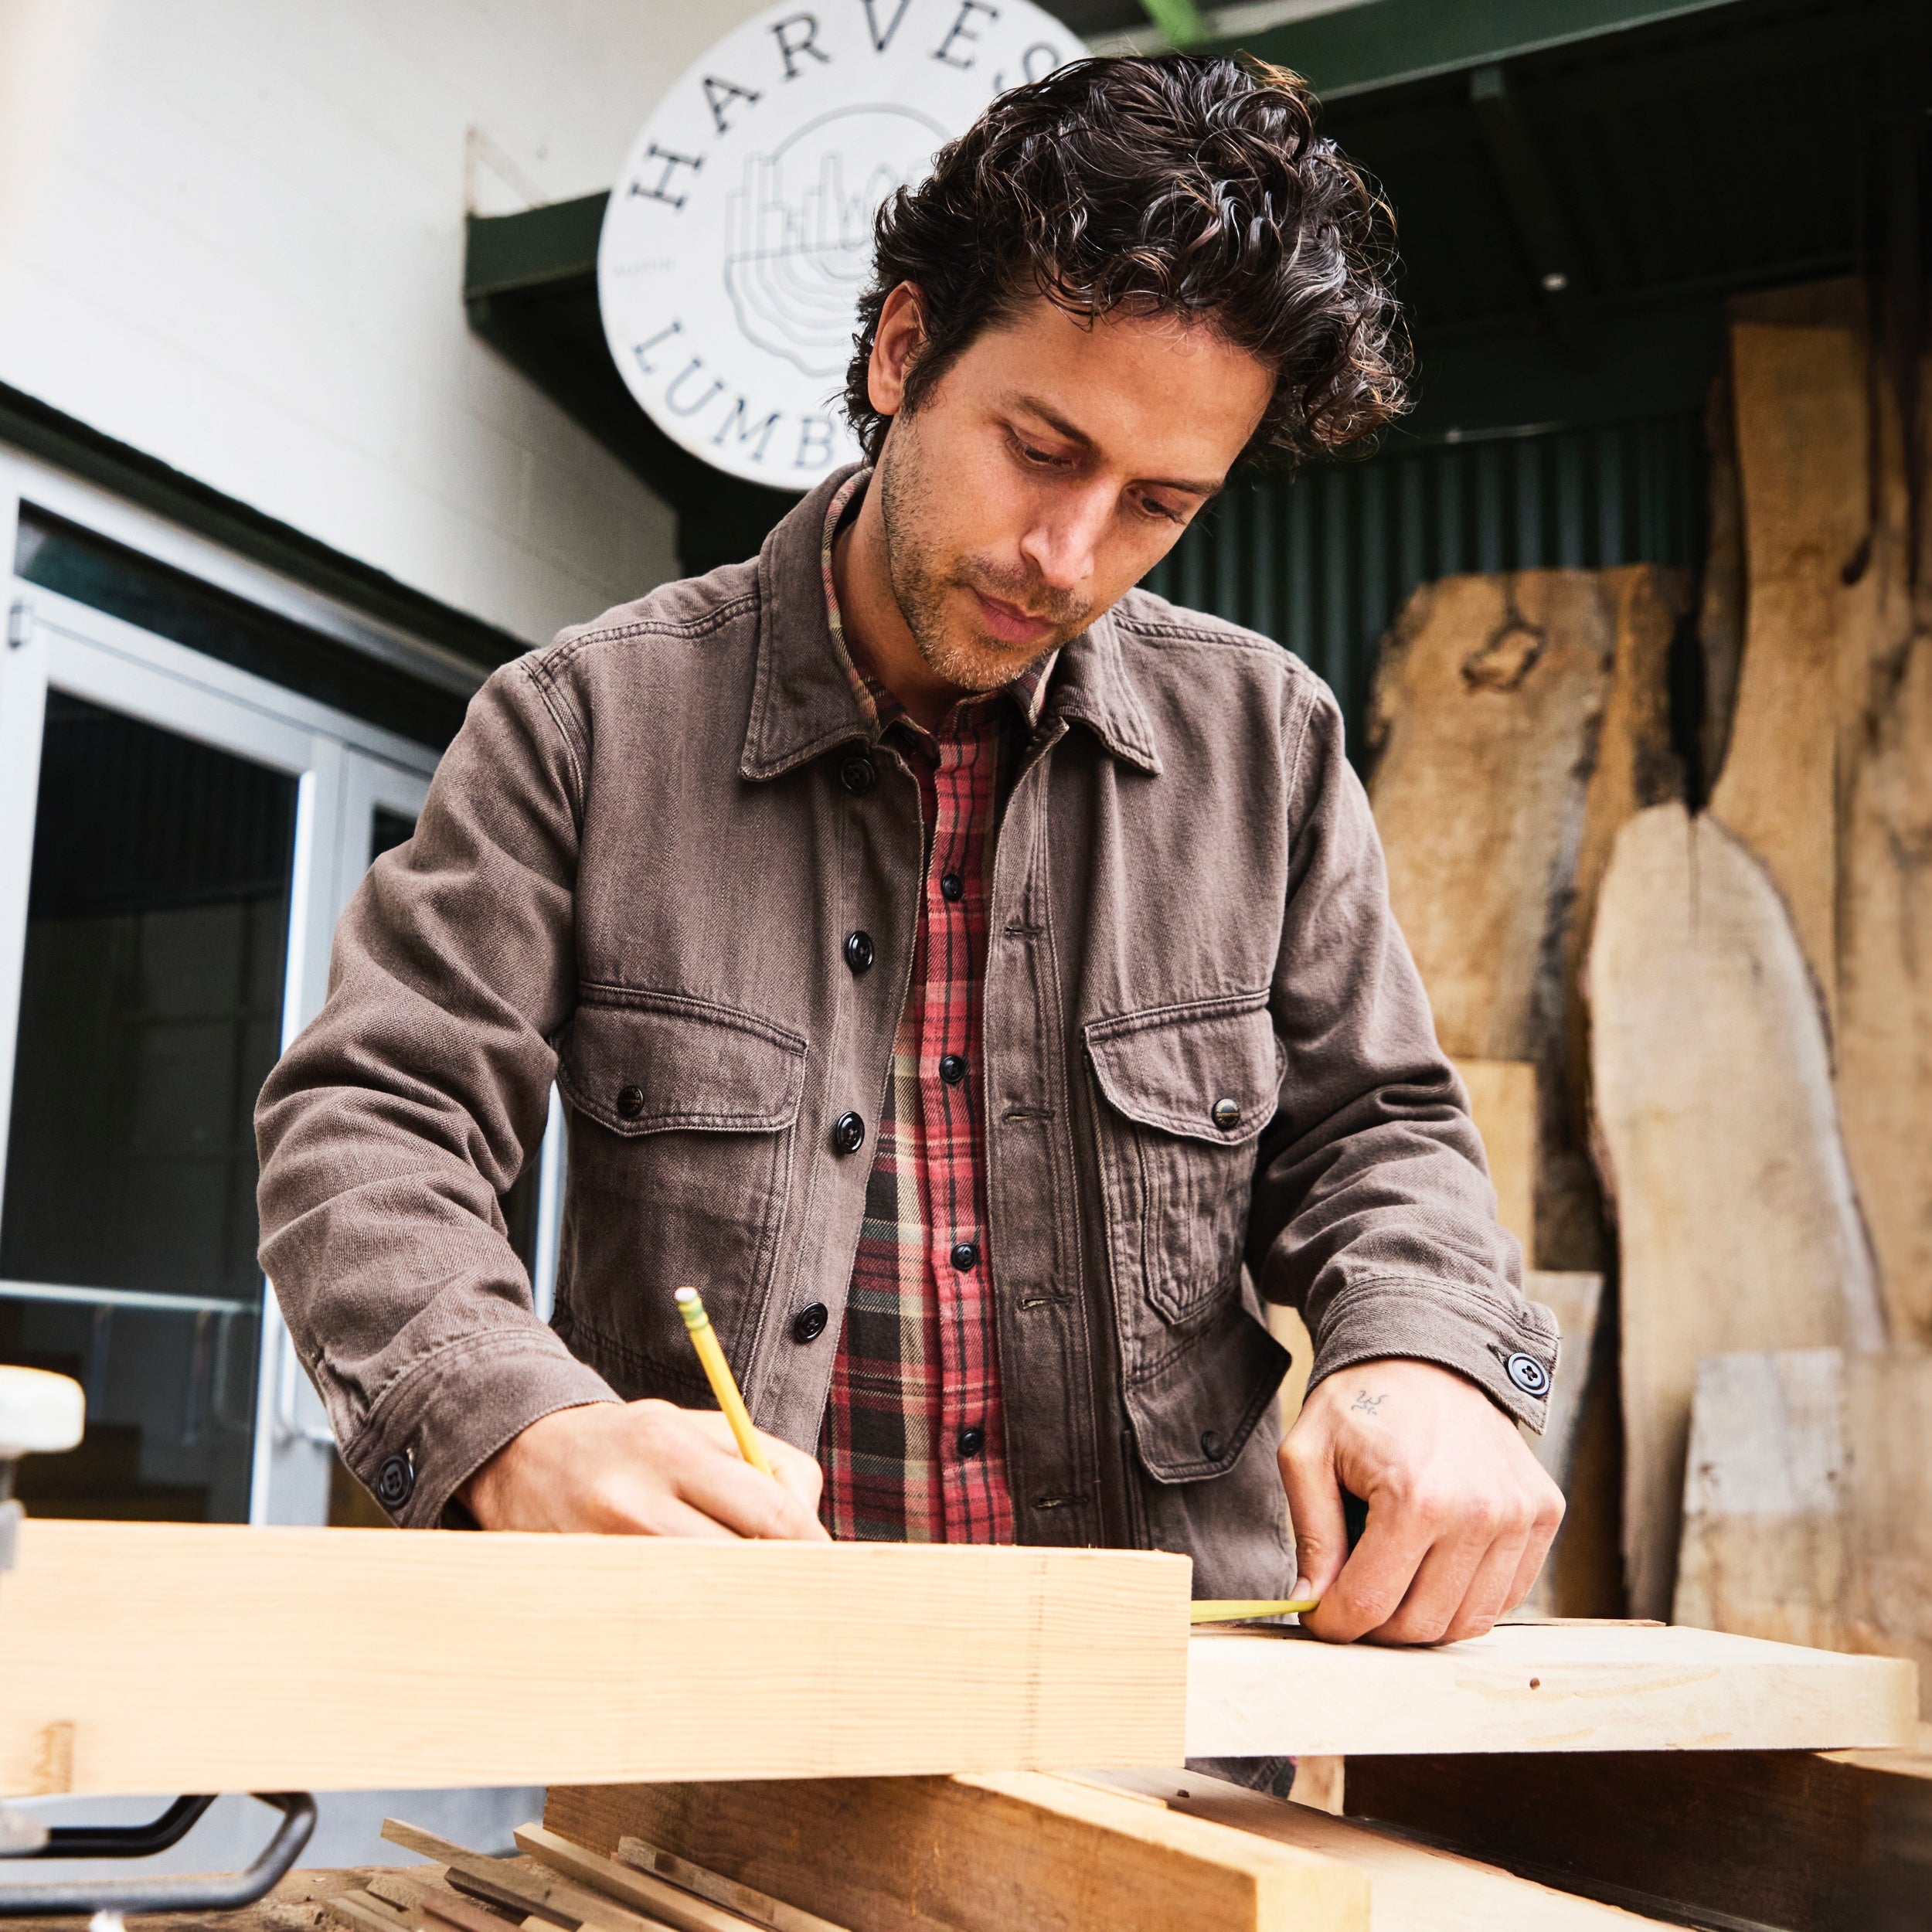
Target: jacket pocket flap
x=1193 y=1412
x=1210 y=1072
x=654 y=1063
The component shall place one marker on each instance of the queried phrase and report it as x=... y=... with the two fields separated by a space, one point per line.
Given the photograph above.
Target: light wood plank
x=1538 y=1687
x=1502 y=1103
x=761 y=1906
x=1577 y=1302
x=1808 y=1502
x=196 y=1657
x=1412 y=1888
x=674 y=1904
x=977 y=1854
x=1718 y=1140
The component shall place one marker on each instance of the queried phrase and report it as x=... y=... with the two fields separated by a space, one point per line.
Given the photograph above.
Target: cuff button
x=1527 y=1374
x=394 y=1482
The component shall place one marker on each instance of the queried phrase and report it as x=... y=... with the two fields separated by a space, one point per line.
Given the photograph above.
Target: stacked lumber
x=1158 y=1852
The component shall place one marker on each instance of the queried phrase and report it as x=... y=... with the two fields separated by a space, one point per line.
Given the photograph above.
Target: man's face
x=1046 y=472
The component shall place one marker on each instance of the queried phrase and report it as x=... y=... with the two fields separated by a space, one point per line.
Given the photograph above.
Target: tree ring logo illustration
x=739 y=236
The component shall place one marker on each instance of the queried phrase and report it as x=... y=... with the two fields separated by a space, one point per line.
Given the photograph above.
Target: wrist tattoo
x=1366 y=1404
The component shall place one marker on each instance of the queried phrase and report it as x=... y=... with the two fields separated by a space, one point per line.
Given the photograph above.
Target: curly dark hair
x=1167 y=185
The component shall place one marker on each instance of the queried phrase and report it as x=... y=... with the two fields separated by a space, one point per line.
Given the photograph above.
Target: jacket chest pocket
x=680 y=1158
x=1187 y=1091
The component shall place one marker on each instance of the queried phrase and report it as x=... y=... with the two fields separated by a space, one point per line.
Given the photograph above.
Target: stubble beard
x=922 y=579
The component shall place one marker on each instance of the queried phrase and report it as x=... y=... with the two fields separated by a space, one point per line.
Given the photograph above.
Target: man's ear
x=895 y=344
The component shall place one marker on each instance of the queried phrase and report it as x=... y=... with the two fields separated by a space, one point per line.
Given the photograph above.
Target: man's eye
x=1153 y=508
x=1044 y=458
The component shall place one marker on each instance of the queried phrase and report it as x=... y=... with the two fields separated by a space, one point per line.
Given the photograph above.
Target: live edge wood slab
x=150 y=1657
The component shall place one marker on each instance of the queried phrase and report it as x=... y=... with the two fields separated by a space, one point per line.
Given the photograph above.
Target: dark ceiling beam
x=1543 y=232
x=1382 y=43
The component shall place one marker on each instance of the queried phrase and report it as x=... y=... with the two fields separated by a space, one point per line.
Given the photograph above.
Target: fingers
x=1546 y=1519
x=1377 y=1579
x=1314 y=1508
x=716 y=1479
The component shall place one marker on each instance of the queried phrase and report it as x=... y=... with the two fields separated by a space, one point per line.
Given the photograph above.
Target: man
x=975 y=975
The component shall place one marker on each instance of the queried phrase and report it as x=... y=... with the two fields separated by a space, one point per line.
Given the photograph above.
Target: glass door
x=176 y=838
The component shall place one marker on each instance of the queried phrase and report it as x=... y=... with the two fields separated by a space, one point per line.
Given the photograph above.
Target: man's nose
x=1061 y=544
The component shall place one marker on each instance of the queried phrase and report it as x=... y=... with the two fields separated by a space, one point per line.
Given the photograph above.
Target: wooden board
x=1577 y=1302
x=1840 y=1842
x=1538 y=1687
x=1414 y=1887
x=1502 y=1103
x=976 y=1853
x=1828 y=773
x=163 y=1656
x=1808 y=1502
x=1518 y=721
x=1717 y=1138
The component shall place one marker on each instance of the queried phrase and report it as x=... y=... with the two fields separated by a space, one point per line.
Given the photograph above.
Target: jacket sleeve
x=1373 y=1212
x=391 y=1126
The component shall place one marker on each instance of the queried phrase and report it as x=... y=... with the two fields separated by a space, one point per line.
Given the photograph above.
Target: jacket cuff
x=435 y=1425
x=1507 y=1347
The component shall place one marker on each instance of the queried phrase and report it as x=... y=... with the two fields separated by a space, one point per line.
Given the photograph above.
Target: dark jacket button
x=848 y=1134
x=971 y=1441
x=1211 y=1444
x=858 y=951
x=394 y=1482
x=952 y=1068
x=1227 y=1115
x=858 y=774
x=809 y=1323
x=964 y=1255
x=952 y=885
x=629 y=1102
x=1527 y=1374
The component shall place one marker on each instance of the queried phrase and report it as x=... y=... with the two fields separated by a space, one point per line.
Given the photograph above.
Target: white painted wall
x=231 y=235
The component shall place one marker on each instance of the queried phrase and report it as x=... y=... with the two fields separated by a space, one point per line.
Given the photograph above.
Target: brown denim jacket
x=1208 y=1066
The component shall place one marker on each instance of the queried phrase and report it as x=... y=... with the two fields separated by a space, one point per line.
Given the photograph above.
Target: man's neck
x=876 y=633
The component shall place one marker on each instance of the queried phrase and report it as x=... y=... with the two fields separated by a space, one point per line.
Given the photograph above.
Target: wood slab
x=1518 y=721
x=1412 y=1888
x=1808 y=1502
x=1576 y=1301
x=976 y=1853
x=1838 y=1843
x=1502 y=1103
x=1717 y=1138
x=161 y=1657
x=1538 y=1687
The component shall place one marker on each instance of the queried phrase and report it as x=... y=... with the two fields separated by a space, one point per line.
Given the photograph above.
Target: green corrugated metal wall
x=1323 y=563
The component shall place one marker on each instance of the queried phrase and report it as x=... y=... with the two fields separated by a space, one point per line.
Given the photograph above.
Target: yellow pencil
x=717 y=1372
x=1245 y=1609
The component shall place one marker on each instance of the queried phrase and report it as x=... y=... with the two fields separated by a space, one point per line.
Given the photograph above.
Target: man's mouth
x=1009 y=623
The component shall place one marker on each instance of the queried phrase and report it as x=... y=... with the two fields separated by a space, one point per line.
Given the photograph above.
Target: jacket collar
x=802 y=702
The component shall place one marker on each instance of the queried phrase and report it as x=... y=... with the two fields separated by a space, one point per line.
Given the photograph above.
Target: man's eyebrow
x=1074 y=433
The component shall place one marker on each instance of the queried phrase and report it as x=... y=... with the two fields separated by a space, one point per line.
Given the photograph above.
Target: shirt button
x=1527 y=1374
x=394 y=1482
x=629 y=1102
x=971 y=1441
x=858 y=952
x=848 y=1133
x=952 y=1068
x=964 y=1255
x=858 y=774
x=1227 y=1115
x=1211 y=1444
x=809 y=1323
x=952 y=885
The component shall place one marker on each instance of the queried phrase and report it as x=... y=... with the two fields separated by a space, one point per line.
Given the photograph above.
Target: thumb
x=1314 y=1508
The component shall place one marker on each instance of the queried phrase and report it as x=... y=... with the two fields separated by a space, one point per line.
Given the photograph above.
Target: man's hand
x=645 y=1469
x=1460 y=1514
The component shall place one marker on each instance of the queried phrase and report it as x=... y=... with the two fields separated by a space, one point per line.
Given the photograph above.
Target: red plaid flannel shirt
x=913 y=1446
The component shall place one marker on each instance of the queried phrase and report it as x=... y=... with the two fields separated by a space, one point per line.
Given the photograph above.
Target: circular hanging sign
x=738 y=238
